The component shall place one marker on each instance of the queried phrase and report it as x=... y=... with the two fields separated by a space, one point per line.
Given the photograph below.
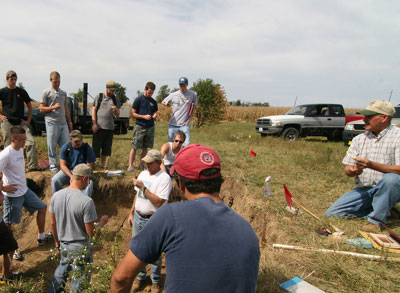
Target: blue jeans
x=56 y=134
x=374 y=203
x=76 y=259
x=138 y=224
x=174 y=129
x=60 y=179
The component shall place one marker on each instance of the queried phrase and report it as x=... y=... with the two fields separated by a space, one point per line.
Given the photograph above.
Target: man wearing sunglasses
x=373 y=158
x=169 y=151
x=183 y=103
x=72 y=154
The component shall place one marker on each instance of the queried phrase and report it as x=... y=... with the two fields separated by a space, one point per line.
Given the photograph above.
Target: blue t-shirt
x=208 y=247
x=76 y=156
x=145 y=106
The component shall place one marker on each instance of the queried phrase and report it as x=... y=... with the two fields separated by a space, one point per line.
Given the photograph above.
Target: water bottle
x=267 y=189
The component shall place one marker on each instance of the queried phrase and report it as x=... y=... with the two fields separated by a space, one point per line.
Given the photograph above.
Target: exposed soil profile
x=114 y=196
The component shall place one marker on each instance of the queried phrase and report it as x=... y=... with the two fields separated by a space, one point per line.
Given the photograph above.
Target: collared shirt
x=383 y=149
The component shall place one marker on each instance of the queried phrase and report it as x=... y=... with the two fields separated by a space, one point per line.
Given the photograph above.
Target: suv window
x=336 y=110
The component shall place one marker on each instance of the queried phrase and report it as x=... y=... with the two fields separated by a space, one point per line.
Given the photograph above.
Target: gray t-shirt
x=73 y=209
x=182 y=105
x=50 y=97
x=105 y=115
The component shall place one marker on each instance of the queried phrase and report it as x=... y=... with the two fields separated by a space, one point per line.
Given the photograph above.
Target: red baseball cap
x=193 y=159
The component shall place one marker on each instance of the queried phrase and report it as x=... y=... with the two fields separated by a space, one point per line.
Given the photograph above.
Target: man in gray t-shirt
x=57 y=118
x=183 y=103
x=72 y=216
x=105 y=107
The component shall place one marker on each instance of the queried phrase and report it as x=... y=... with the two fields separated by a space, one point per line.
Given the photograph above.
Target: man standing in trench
x=208 y=247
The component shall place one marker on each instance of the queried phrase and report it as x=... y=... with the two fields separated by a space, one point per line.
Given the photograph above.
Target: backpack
x=85 y=148
x=101 y=95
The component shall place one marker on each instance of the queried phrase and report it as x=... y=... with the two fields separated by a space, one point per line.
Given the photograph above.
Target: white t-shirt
x=159 y=184
x=12 y=165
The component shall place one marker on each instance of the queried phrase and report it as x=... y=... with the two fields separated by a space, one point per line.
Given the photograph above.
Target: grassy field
x=310 y=168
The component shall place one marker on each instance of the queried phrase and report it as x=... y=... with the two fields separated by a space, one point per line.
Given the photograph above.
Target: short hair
x=16 y=130
x=150 y=85
x=181 y=134
x=54 y=74
x=10 y=73
x=209 y=186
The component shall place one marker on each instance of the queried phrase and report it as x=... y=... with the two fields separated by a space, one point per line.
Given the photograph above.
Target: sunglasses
x=179 y=141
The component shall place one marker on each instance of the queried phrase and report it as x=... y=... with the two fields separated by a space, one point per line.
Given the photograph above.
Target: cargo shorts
x=142 y=137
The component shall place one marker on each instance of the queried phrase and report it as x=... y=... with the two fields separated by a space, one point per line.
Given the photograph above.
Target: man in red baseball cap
x=208 y=247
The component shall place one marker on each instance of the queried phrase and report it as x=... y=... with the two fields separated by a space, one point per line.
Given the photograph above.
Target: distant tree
x=78 y=95
x=212 y=101
x=20 y=85
x=238 y=103
x=163 y=92
x=175 y=89
x=120 y=93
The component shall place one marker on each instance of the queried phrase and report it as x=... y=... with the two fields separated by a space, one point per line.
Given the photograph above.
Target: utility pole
x=390 y=96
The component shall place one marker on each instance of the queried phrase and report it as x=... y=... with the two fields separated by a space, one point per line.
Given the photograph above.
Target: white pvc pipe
x=370 y=256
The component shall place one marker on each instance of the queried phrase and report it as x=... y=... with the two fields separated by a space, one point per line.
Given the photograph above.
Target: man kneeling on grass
x=373 y=158
x=208 y=247
x=72 y=217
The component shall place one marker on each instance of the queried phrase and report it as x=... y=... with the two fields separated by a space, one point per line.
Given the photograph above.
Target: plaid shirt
x=383 y=149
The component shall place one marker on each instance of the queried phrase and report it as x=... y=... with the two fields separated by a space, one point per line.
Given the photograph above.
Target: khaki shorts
x=142 y=137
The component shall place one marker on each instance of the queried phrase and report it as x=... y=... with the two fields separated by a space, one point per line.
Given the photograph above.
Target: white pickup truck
x=307 y=120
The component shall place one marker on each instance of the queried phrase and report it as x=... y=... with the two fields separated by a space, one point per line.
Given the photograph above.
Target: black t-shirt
x=13 y=103
x=145 y=106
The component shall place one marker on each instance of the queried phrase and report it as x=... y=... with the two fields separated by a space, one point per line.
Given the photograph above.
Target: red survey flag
x=288 y=196
x=252 y=153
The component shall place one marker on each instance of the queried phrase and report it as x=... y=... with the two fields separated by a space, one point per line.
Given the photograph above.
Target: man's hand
x=154 y=116
x=130 y=219
x=95 y=127
x=138 y=183
x=147 y=117
x=56 y=106
x=362 y=163
x=9 y=188
x=187 y=122
x=353 y=170
x=24 y=122
x=70 y=127
x=3 y=118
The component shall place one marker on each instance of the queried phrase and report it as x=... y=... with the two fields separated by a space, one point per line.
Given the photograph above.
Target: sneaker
x=54 y=169
x=156 y=288
x=372 y=228
x=130 y=169
x=18 y=256
x=47 y=238
x=138 y=285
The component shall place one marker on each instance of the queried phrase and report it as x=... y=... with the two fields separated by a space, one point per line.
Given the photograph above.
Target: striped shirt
x=383 y=149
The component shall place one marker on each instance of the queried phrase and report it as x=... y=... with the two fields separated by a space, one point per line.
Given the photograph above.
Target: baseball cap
x=83 y=170
x=112 y=85
x=183 y=80
x=195 y=158
x=151 y=156
x=76 y=135
x=11 y=73
x=378 y=107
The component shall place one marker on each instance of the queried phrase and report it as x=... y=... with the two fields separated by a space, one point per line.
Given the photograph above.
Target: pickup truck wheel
x=291 y=134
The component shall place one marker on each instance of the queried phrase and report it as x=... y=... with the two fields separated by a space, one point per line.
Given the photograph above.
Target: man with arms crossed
x=183 y=103
x=208 y=247
x=153 y=187
x=57 y=118
x=373 y=158
x=13 y=99
x=103 y=111
x=18 y=195
x=144 y=109
x=72 y=216
x=72 y=154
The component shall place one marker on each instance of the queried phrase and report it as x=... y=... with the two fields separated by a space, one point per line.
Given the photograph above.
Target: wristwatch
x=144 y=189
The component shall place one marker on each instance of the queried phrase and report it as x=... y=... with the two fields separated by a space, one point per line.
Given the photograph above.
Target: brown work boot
x=156 y=288
x=138 y=285
x=372 y=228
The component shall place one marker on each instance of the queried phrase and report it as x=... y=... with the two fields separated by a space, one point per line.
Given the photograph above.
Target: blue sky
x=260 y=51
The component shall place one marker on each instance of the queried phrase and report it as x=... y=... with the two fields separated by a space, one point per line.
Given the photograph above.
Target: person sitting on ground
x=169 y=150
x=72 y=217
x=7 y=245
x=18 y=195
x=208 y=247
x=373 y=158
x=72 y=154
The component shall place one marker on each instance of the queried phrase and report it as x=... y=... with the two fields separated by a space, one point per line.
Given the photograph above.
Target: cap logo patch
x=206 y=158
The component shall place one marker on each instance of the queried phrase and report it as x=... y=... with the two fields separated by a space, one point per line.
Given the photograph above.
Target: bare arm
x=68 y=117
x=138 y=116
x=115 y=110
x=126 y=271
x=90 y=227
x=64 y=168
x=363 y=163
x=30 y=109
x=154 y=199
x=53 y=227
x=44 y=109
x=95 y=127
x=130 y=217
x=164 y=151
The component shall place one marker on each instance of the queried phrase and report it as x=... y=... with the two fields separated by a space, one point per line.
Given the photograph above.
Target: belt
x=144 y=216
